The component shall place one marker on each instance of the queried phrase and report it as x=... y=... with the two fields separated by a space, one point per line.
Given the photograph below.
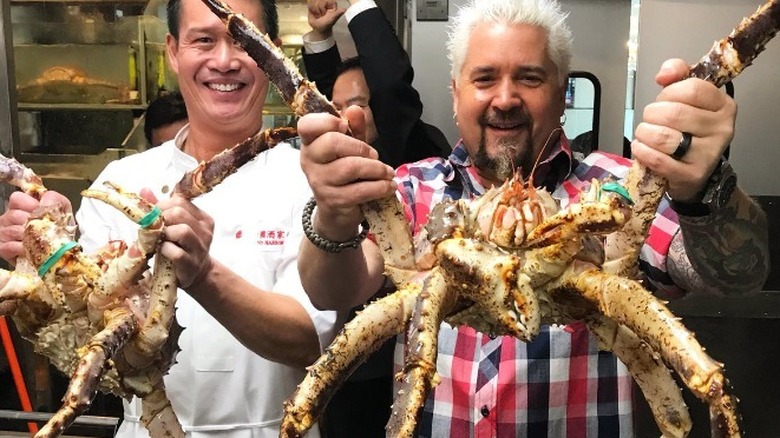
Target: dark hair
x=164 y=110
x=270 y=16
x=347 y=65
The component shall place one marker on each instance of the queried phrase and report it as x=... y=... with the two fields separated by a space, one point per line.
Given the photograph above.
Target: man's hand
x=187 y=239
x=323 y=15
x=694 y=106
x=342 y=170
x=17 y=213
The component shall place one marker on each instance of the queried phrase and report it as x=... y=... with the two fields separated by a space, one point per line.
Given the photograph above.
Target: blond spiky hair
x=546 y=14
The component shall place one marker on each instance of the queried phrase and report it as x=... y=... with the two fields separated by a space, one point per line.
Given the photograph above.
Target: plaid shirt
x=559 y=385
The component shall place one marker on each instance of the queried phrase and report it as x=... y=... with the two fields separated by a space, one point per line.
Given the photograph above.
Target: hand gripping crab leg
x=724 y=62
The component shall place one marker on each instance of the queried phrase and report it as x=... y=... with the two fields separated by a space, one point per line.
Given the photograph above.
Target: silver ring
x=683 y=146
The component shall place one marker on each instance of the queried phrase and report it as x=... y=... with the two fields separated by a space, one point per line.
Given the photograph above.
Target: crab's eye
x=619 y=189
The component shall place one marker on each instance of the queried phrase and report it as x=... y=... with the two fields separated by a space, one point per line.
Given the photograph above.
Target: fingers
x=147 y=194
x=187 y=239
x=668 y=141
x=319 y=7
x=687 y=105
x=178 y=210
x=696 y=93
x=52 y=198
x=357 y=121
x=312 y=126
x=691 y=105
x=322 y=142
x=323 y=16
x=12 y=224
x=11 y=246
x=672 y=70
x=23 y=202
x=343 y=171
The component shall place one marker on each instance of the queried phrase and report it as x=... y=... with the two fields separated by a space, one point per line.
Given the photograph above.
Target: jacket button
x=485 y=411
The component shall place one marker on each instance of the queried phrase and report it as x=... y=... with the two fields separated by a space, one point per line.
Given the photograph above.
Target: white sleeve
x=317 y=46
x=358 y=7
x=288 y=280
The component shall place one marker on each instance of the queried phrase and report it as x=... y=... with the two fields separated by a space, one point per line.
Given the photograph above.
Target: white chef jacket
x=218 y=387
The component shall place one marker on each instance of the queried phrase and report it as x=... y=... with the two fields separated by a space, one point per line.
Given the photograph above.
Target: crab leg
x=727 y=58
x=300 y=94
x=208 y=174
x=157 y=414
x=378 y=322
x=418 y=376
x=653 y=377
x=154 y=331
x=628 y=303
x=15 y=173
x=124 y=271
x=120 y=325
x=15 y=286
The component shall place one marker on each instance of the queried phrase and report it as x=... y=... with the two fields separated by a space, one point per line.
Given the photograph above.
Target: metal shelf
x=91 y=420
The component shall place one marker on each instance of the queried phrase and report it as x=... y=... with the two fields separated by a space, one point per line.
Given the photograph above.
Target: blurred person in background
x=164 y=117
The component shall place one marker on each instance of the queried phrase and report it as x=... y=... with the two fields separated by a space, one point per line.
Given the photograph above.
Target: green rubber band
x=617 y=188
x=54 y=258
x=150 y=217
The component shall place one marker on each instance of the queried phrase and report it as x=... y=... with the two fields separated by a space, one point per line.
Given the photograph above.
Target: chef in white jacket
x=249 y=328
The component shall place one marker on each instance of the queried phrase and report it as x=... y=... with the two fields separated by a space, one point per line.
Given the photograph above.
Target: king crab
x=102 y=318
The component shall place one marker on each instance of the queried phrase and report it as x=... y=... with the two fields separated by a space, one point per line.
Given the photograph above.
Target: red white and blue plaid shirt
x=559 y=385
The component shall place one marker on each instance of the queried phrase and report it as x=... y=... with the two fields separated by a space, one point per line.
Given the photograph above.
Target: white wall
x=432 y=69
x=665 y=31
x=600 y=29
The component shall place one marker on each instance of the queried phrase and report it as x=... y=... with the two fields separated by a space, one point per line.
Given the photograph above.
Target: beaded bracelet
x=323 y=243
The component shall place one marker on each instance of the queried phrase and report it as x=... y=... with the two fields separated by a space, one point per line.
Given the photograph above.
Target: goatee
x=509 y=156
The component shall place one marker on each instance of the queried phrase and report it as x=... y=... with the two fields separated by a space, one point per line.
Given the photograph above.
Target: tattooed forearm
x=726 y=252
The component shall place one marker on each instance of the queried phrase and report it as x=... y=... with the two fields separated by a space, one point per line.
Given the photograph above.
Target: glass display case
x=84 y=72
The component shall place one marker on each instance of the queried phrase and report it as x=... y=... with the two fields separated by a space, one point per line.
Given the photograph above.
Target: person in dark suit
x=394 y=104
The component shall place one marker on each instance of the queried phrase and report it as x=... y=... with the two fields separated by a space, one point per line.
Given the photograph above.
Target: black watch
x=715 y=195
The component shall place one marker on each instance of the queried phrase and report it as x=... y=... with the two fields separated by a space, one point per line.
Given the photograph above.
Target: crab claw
x=603 y=209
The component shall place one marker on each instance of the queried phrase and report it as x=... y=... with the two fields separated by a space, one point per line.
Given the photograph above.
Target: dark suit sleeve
x=321 y=69
x=395 y=104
